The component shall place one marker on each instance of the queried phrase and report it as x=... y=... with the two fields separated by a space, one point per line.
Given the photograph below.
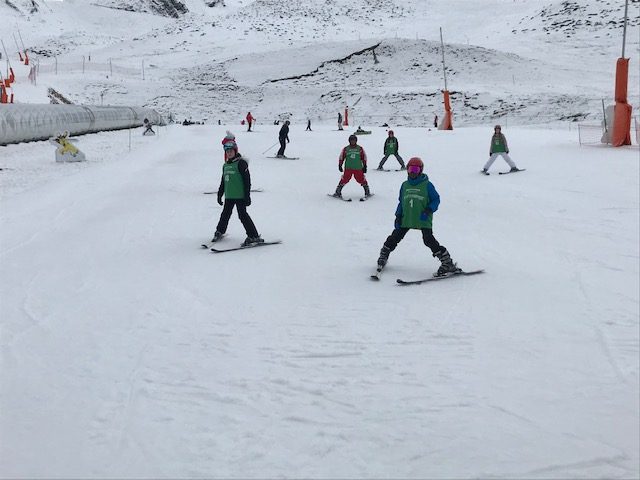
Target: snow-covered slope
x=129 y=352
x=536 y=61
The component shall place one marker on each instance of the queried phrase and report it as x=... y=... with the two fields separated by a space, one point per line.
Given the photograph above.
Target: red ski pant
x=357 y=174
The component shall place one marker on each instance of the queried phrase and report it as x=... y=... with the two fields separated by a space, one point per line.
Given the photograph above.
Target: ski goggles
x=413 y=169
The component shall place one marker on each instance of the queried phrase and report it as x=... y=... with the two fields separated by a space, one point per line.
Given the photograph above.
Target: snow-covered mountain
x=533 y=61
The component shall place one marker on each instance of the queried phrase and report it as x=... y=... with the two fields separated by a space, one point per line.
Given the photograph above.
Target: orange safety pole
x=3 y=94
x=26 y=58
x=622 y=111
x=447 y=122
x=346 y=117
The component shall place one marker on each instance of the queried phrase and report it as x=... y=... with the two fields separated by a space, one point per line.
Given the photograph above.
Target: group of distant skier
x=418 y=198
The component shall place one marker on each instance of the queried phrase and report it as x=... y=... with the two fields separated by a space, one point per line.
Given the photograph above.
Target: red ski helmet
x=415 y=162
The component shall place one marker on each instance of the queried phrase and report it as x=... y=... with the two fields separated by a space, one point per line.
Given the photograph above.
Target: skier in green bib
x=354 y=159
x=418 y=200
x=499 y=147
x=235 y=186
x=391 y=148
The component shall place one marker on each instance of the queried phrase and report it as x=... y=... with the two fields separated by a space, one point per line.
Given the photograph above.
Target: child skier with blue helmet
x=418 y=200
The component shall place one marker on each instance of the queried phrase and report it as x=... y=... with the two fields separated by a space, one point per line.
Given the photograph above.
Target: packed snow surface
x=129 y=351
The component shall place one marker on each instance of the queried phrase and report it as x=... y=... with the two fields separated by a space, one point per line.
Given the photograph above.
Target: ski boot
x=384 y=256
x=249 y=241
x=514 y=169
x=338 y=192
x=216 y=236
x=447 y=266
x=367 y=192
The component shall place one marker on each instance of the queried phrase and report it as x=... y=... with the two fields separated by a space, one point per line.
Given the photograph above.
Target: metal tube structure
x=33 y=122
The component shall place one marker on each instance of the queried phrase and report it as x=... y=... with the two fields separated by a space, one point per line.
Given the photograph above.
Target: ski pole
x=270 y=148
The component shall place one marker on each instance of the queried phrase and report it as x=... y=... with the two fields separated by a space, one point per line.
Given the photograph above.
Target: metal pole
x=110 y=68
x=270 y=148
x=604 y=116
x=624 y=30
x=83 y=64
x=56 y=58
x=7 y=55
x=444 y=68
x=21 y=40
x=143 y=69
x=579 y=136
x=15 y=41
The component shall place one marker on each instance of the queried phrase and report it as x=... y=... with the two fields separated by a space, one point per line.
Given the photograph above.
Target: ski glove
x=364 y=168
x=247 y=201
x=220 y=202
x=340 y=168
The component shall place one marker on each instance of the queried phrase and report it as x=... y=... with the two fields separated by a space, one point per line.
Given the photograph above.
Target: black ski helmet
x=353 y=137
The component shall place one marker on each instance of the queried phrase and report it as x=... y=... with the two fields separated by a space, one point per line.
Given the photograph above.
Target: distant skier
x=391 y=148
x=499 y=147
x=250 y=121
x=418 y=200
x=283 y=137
x=354 y=159
x=235 y=185
x=147 y=127
x=340 y=121
x=308 y=129
x=435 y=121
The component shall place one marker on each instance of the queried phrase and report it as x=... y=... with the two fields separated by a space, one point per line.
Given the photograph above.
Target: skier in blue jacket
x=418 y=200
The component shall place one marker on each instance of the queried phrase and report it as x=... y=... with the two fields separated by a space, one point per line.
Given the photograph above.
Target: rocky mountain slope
x=534 y=61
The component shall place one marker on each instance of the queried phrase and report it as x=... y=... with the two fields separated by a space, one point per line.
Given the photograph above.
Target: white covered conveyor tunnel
x=33 y=122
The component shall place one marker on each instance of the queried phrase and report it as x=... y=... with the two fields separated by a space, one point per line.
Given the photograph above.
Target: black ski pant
x=429 y=240
x=247 y=223
x=283 y=145
x=384 y=159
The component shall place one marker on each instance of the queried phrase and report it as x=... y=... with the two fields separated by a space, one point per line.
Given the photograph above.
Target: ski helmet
x=230 y=145
x=498 y=127
x=390 y=132
x=353 y=137
x=415 y=162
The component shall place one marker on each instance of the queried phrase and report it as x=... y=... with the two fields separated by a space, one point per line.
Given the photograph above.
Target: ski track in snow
x=149 y=356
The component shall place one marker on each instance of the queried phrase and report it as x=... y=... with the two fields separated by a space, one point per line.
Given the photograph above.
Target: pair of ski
x=390 y=170
x=286 y=158
x=362 y=199
x=399 y=281
x=209 y=246
x=504 y=173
